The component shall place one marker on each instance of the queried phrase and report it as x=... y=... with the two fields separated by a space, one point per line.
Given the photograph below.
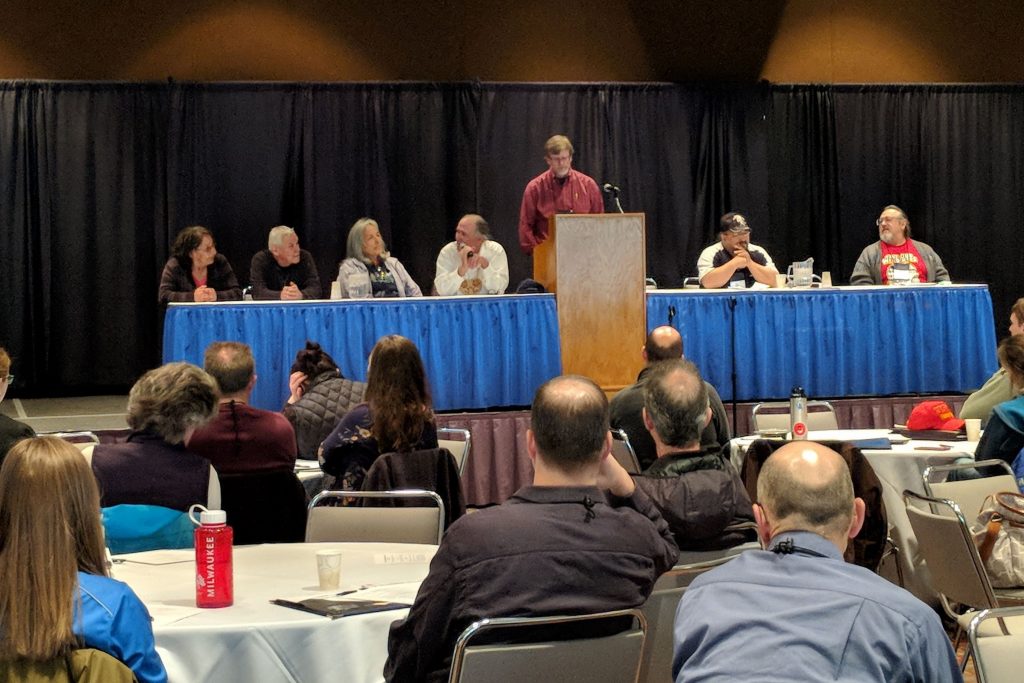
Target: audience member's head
x=569 y=423
x=663 y=343
x=397 y=391
x=805 y=486
x=172 y=401
x=231 y=365
x=1011 y=359
x=187 y=241
x=313 y=361
x=1017 y=317
x=676 y=407
x=49 y=530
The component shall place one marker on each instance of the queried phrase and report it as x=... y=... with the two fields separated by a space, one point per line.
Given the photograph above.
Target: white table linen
x=898 y=469
x=254 y=640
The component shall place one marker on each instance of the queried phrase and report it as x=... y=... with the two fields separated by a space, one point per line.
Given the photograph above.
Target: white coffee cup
x=328 y=568
x=973 y=426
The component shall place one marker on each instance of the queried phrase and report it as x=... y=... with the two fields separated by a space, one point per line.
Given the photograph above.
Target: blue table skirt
x=485 y=352
x=836 y=342
x=478 y=351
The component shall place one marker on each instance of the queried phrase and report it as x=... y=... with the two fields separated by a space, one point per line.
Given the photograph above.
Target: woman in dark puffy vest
x=320 y=397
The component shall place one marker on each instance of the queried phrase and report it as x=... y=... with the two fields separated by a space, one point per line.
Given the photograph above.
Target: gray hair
x=172 y=399
x=278 y=234
x=354 y=246
x=808 y=496
x=903 y=215
x=482 y=228
x=676 y=400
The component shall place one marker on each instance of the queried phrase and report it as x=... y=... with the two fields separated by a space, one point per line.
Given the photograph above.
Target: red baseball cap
x=933 y=415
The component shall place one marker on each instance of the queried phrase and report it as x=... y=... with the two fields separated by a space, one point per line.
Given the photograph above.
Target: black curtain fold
x=97 y=179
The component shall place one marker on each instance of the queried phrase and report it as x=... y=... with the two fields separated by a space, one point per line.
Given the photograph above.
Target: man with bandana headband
x=734 y=262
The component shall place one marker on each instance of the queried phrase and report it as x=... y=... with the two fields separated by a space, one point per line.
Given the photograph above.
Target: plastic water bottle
x=798 y=413
x=214 y=571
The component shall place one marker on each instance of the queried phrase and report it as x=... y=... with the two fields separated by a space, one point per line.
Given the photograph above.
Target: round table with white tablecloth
x=254 y=640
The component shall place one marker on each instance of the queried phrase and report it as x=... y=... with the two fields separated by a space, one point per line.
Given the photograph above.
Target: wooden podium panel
x=596 y=265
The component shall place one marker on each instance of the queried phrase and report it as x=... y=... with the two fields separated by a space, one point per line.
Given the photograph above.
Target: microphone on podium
x=613 y=190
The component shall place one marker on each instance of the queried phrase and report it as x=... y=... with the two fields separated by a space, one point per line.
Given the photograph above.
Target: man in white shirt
x=473 y=263
x=734 y=262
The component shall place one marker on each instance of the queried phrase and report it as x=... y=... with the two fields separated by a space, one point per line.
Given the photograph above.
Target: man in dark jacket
x=582 y=539
x=663 y=343
x=697 y=490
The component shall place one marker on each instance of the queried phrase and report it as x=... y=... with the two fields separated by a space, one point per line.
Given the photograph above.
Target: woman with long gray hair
x=369 y=270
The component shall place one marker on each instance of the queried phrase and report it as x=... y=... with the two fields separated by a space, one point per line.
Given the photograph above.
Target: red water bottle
x=214 y=574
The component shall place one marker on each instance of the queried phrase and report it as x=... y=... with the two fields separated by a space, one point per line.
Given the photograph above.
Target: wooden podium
x=596 y=264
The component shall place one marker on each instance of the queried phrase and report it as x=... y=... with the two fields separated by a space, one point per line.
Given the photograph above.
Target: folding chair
x=969 y=494
x=623 y=451
x=458 y=447
x=997 y=646
x=423 y=524
x=660 y=608
x=955 y=570
x=611 y=658
x=821 y=416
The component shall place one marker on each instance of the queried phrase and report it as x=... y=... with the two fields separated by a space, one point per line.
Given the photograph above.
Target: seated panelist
x=283 y=271
x=734 y=262
x=368 y=270
x=473 y=263
x=196 y=272
x=895 y=258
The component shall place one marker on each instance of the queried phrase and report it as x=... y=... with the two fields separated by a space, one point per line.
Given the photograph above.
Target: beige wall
x=524 y=40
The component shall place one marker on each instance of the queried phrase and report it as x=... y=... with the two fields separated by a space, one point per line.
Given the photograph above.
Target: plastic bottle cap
x=213 y=517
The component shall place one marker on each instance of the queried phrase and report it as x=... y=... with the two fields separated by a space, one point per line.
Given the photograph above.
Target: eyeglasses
x=887 y=219
x=9 y=379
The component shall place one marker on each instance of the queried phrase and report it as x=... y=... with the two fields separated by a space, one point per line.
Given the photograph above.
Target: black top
x=268 y=278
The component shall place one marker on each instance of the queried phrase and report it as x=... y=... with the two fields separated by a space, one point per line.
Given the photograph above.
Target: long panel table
x=479 y=351
x=483 y=352
x=838 y=341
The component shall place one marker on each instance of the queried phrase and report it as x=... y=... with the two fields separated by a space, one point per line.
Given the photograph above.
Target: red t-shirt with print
x=905 y=253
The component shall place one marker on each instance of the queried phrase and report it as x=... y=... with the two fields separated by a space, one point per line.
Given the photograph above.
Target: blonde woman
x=55 y=594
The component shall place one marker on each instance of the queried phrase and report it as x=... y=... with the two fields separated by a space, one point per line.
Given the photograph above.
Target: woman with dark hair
x=397 y=416
x=1004 y=434
x=997 y=389
x=196 y=272
x=320 y=396
x=55 y=594
x=369 y=270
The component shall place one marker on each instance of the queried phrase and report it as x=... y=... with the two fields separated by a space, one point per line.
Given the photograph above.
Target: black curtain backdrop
x=97 y=179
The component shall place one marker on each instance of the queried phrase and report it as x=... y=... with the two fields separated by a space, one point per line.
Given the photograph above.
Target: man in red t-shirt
x=895 y=258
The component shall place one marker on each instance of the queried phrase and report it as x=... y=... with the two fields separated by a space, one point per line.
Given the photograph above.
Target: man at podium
x=560 y=189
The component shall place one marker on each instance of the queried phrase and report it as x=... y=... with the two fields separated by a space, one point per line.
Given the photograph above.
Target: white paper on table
x=158 y=557
x=401 y=558
x=164 y=614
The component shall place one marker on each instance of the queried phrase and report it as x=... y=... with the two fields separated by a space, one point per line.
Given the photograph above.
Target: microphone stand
x=732 y=350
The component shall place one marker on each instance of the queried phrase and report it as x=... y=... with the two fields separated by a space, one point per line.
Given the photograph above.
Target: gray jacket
x=868 y=270
x=353 y=267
